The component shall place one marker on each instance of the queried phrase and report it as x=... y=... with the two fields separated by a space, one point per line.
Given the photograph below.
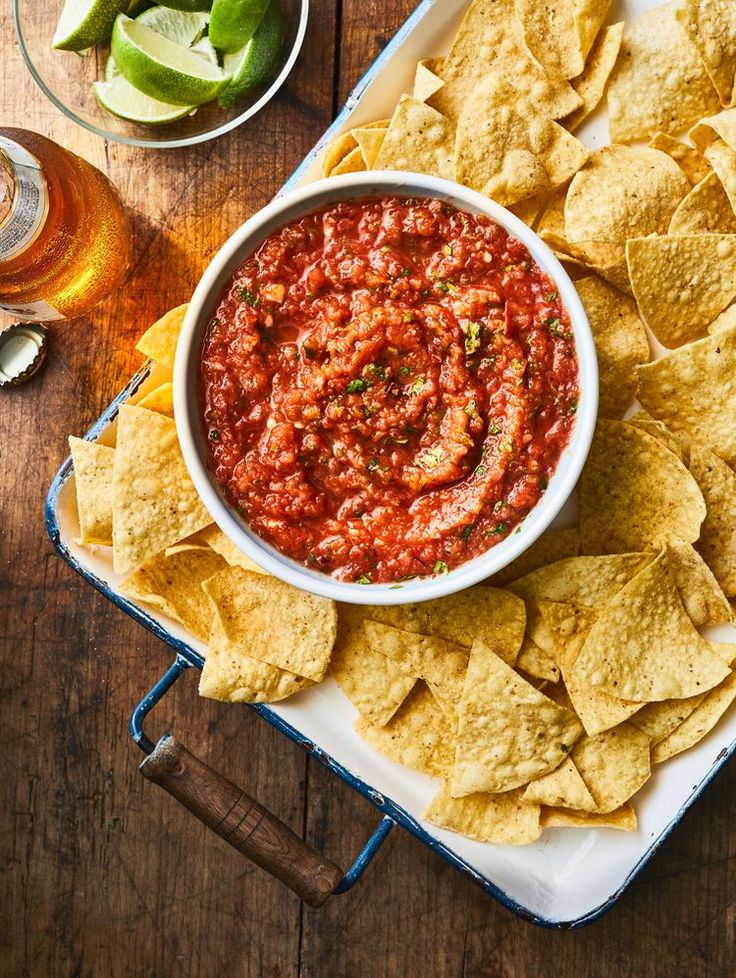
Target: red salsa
x=387 y=385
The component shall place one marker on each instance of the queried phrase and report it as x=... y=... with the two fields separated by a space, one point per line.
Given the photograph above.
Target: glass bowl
x=66 y=78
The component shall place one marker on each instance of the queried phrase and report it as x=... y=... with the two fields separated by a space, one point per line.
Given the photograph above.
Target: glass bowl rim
x=174 y=142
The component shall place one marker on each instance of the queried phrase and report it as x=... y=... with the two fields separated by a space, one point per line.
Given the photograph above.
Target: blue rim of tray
x=385 y=805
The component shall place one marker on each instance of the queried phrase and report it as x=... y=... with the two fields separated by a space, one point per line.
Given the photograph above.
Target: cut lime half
x=84 y=23
x=119 y=97
x=253 y=64
x=203 y=47
x=162 y=69
x=180 y=26
x=234 y=22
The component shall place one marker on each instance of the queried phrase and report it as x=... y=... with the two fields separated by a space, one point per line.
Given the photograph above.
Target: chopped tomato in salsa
x=387 y=385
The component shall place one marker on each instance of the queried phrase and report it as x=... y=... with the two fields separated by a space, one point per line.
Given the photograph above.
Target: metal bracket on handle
x=161 y=688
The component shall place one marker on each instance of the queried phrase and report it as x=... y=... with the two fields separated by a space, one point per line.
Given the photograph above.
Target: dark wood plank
x=102 y=873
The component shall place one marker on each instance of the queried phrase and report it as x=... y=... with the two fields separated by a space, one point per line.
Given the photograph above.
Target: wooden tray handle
x=241 y=821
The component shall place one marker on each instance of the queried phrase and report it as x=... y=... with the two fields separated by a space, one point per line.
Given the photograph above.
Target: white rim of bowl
x=207 y=294
x=169 y=143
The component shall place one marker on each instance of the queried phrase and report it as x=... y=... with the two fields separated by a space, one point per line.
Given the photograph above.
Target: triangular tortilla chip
x=508 y=732
x=633 y=491
x=562 y=788
x=173 y=584
x=536 y=662
x=660 y=431
x=275 y=622
x=426 y=82
x=336 y=151
x=352 y=163
x=160 y=399
x=590 y=582
x=155 y=503
x=496 y=617
x=705 y=210
x=502 y=818
x=418 y=138
x=621 y=818
x=722 y=158
x=681 y=282
x=374 y=684
x=159 y=341
x=711 y=25
x=591 y=84
x=693 y=391
x=700 y=722
x=369 y=143
x=93 y=466
x=704 y=601
x=717 y=542
x=233 y=676
x=692 y=163
x=223 y=545
x=418 y=735
x=644 y=647
x=613 y=765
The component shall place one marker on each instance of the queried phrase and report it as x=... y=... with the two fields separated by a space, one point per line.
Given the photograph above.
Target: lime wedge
x=253 y=64
x=233 y=22
x=119 y=97
x=180 y=26
x=84 y=23
x=162 y=69
x=205 y=50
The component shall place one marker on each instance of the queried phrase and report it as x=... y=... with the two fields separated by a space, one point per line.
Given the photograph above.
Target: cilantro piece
x=379 y=372
x=499 y=528
x=465 y=535
x=404 y=370
x=440 y=567
x=494 y=429
x=418 y=386
x=471 y=409
x=404 y=273
x=430 y=458
x=551 y=297
x=554 y=325
x=356 y=386
x=246 y=295
x=372 y=464
x=480 y=470
x=447 y=249
x=363 y=579
x=472 y=337
x=213 y=435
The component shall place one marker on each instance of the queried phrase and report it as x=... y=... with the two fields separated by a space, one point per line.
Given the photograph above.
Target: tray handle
x=244 y=824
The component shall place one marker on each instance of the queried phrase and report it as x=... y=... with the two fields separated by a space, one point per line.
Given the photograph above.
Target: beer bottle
x=64 y=235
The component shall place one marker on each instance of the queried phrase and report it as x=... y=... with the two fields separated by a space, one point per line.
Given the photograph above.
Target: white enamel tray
x=570 y=876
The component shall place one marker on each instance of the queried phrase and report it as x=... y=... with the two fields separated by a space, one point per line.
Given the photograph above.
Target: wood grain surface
x=101 y=874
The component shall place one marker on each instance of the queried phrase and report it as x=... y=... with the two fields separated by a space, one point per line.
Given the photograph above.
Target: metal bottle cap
x=22 y=352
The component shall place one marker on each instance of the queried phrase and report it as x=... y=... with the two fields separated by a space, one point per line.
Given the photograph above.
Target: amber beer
x=64 y=235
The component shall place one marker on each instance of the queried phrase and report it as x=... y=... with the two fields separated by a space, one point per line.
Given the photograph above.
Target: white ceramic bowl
x=207 y=295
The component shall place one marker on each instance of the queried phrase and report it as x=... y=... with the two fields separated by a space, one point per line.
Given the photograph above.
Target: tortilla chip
x=726 y=318
x=613 y=765
x=441 y=664
x=700 y=722
x=693 y=391
x=705 y=210
x=704 y=601
x=644 y=647
x=633 y=490
x=659 y=83
x=551 y=546
x=536 y=662
x=418 y=735
x=502 y=818
x=369 y=143
x=160 y=399
x=711 y=25
x=233 y=676
x=490 y=38
x=426 y=82
x=562 y=788
x=352 y=163
x=505 y=150
x=620 y=342
x=173 y=584
x=528 y=210
x=682 y=282
x=552 y=35
x=155 y=503
x=591 y=84
x=93 y=467
x=159 y=341
x=419 y=139
x=622 y=818
x=692 y=163
x=622 y=192
x=275 y=622
x=589 y=582
x=723 y=160
x=496 y=617
x=336 y=151
x=660 y=431
x=658 y=720
x=223 y=545
x=508 y=732
x=374 y=684
x=717 y=543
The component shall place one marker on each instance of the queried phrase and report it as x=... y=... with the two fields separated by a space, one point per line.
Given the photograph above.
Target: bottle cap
x=22 y=352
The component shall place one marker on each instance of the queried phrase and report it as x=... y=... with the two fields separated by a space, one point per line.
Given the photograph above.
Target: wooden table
x=102 y=875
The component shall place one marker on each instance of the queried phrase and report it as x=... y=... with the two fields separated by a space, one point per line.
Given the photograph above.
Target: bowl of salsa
x=385 y=387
